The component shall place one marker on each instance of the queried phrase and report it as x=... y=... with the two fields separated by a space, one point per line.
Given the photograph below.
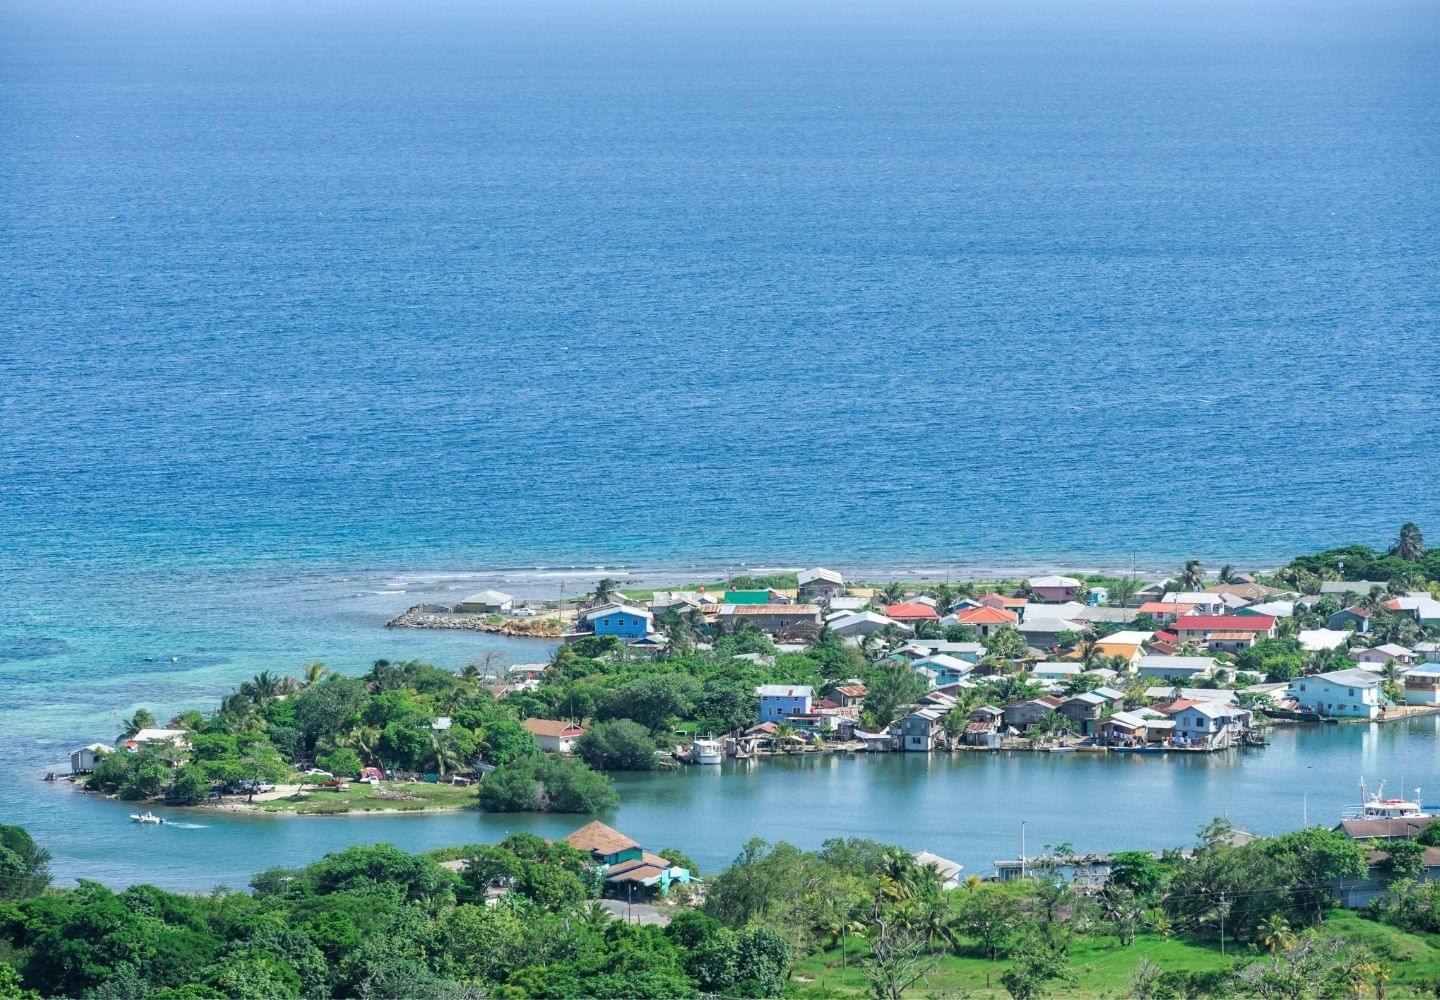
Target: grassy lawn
x=1101 y=966
x=388 y=797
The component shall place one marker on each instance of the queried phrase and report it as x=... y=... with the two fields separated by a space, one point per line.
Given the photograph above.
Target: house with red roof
x=986 y=619
x=911 y=613
x=1199 y=628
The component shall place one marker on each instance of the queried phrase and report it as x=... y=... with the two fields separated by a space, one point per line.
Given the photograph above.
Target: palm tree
x=142 y=719
x=1010 y=688
x=442 y=752
x=311 y=673
x=1192 y=575
x=364 y=740
x=592 y=913
x=892 y=593
x=785 y=734
x=1411 y=544
x=262 y=687
x=1227 y=573
x=605 y=591
x=1275 y=934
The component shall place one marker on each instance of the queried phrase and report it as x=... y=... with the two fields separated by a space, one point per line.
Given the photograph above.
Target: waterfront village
x=811 y=663
x=1053 y=663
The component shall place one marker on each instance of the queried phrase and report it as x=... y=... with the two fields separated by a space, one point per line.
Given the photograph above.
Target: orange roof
x=1165 y=608
x=904 y=612
x=986 y=615
x=598 y=838
x=1000 y=600
x=552 y=727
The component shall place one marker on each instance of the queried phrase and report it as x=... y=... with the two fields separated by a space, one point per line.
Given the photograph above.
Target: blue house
x=628 y=870
x=620 y=620
x=779 y=702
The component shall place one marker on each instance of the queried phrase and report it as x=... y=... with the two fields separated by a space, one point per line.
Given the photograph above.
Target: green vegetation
x=376 y=922
x=271 y=727
x=552 y=783
x=618 y=745
x=1236 y=917
x=1405 y=565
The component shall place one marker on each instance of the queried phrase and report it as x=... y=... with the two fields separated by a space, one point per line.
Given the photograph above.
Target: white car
x=524 y=612
x=316 y=772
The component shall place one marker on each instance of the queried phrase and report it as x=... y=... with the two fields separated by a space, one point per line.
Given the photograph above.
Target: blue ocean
x=311 y=311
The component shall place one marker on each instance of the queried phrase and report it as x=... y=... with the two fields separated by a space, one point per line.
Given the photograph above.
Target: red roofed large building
x=1199 y=628
x=911 y=613
x=986 y=619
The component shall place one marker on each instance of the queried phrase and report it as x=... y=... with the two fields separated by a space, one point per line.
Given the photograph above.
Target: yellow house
x=1128 y=645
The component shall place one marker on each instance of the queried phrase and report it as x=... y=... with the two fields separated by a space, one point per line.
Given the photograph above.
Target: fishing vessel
x=1378 y=806
x=146 y=817
x=705 y=751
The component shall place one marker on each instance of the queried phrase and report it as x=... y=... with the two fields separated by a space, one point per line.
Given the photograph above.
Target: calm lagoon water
x=967 y=807
x=308 y=311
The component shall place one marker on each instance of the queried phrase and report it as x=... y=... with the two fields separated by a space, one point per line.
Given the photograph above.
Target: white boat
x=1377 y=806
x=146 y=817
x=705 y=752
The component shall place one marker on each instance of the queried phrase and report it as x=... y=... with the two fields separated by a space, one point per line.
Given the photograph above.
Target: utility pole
x=1222 y=924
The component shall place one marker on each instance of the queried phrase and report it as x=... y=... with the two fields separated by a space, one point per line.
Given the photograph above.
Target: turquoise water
x=967 y=807
x=303 y=305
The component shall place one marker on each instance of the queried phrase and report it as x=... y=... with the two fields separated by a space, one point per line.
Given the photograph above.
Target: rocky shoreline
x=442 y=617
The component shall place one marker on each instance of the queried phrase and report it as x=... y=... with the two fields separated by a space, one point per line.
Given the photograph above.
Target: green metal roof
x=746 y=597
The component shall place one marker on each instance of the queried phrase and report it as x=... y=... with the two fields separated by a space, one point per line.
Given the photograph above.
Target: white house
x=553 y=736
x=175 y=737
x=1313 y=640
x=1211 y=724
x=1349 y=694
x=1203 y=604
x=486 y=602
x=83 y=761
x=1422 y=685
x=862 y=623
x=1057 y=670
x=947 y=871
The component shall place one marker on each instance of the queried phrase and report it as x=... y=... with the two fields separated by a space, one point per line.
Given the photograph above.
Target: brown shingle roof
x=598 y=838
x=552 y=727
x=1370 y=829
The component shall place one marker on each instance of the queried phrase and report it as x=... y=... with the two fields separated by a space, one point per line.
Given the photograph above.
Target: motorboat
x=705 y=751
x=1378 y=806
x=146 y=817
